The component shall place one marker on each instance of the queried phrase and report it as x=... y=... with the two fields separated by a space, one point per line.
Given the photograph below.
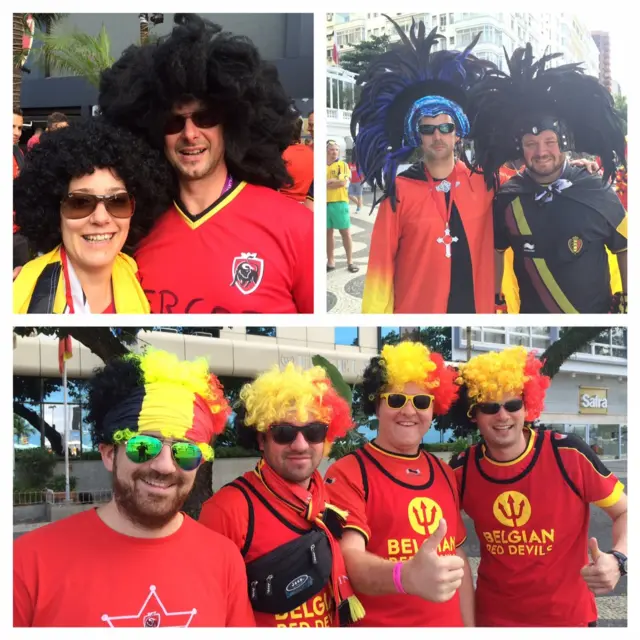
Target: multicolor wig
x=295 y=393
x=512 y=372
x=156 y=392
x=409 y=362
x=400 y=87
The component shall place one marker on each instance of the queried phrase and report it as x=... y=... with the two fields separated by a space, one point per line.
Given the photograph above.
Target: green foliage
x=363 y=53
x=343 y=389
x=59 y=483
x=438 y=339
x=342 y=446
x=21 y=427
x=235 y=452
x=437 y=447
x=459 y=445
x=34 y=468
x=621 y=106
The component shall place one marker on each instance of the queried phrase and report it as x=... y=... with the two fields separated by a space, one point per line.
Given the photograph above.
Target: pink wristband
x=397 y=581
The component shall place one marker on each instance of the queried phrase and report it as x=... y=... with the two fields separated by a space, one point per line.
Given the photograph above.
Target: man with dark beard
x=138 y=561
x=558 y=219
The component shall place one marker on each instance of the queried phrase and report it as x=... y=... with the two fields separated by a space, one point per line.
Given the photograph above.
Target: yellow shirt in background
x=338 y=170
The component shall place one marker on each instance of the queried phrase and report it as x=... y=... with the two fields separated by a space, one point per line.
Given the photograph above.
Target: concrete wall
x=30 y=513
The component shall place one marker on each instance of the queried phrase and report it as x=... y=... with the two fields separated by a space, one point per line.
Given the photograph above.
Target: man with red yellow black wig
x=528 y=492
x=138 y=561
x=278 y=514
x=403 y=531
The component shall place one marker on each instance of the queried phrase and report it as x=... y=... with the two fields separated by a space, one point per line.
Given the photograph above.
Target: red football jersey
x=396 y=503
x=227 y=512
x=251 y=251
x=77 y=572
x=532 y=518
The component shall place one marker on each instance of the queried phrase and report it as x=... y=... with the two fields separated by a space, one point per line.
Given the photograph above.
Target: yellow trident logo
x=512 y=509
x=424 y=515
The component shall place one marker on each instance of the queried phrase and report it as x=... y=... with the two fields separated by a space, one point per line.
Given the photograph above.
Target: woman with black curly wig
x=403 y=533
x=230 y=242
x=85 y=192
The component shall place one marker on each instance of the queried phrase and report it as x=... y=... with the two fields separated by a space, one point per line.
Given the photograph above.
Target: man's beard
x=149 y=512
x=549 y=172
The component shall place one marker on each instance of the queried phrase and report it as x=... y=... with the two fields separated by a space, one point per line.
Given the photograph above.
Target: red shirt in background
x=78 y=572
x=298 y=159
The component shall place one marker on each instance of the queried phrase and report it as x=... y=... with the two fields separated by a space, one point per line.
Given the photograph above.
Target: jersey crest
x=247 y=271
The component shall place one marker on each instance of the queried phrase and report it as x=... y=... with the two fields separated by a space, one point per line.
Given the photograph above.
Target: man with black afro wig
x=230 y=243
x=138 y=560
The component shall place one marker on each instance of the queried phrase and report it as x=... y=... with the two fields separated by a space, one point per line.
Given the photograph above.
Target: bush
x=235 y=452
x=438 y=447
x=34 y=468
x=460 y=445
x=59 y=483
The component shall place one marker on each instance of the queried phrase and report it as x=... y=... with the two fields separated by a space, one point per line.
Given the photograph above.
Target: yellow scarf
x=46 y=273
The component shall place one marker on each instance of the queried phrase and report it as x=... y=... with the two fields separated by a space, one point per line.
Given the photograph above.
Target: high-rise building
x=603 y=42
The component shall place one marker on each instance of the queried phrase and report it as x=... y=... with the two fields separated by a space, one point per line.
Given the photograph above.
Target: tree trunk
x=18 y=32
x=99 y=340
x=53 y=436
x=144 y=32
x=201 y=492
x=468 y=336
x=566 y=346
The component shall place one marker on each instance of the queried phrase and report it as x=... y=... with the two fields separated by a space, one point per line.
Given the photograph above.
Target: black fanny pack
x=292 y=573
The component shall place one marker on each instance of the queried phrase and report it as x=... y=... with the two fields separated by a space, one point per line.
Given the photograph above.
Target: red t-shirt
x=356 y=178
x=251 y=251
x=396 y=506
x=78 y=572
x=227 y=512
x=532 y=523
x=298 y=159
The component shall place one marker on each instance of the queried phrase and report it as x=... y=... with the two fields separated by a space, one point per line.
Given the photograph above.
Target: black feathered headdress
x=399 y=88
x=534 y=98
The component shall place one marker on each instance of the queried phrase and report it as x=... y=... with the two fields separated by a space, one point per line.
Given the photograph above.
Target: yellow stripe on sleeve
x=612 y=498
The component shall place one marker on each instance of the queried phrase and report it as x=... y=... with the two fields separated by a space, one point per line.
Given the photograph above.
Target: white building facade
x=588 y=396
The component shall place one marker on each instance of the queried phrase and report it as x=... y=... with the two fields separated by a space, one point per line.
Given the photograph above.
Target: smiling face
x=542 y=155
x=148 y=494
x=294 y=462
x=194 y=152
x=18 y=121
x=503 y=432
x=95 y=241
x=402 y=430
x=438 y=146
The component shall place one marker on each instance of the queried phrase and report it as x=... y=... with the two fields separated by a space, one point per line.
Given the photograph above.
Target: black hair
x=75 y=151
x=297 y=130
x=110 y=386
x=225 y=71
x=17 y=111
x=373 y=379
x=247 y=436
x=55 y=118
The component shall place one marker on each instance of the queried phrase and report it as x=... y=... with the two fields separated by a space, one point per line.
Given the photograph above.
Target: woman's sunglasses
x=313 y=433
x=203 y=119
x=420 y=401
x=75 y=206
x=186 y=455
x=429 y=129
x=491 y=408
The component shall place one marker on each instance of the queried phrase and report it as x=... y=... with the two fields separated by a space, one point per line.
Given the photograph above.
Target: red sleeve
x=378 y=295
x=303 y=269
x=593 y=480
x=227 y=513
x=24 y=580
x=239 y=610
x=343 y=480
x=22 y=602
x=461 y=530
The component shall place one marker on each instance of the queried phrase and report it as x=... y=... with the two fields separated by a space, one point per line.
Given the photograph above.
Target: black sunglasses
x=429 y=129
x=203 y=119
x=491 y=408
x=313 y=433
x=75 y=206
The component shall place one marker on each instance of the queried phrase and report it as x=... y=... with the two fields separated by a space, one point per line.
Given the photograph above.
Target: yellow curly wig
x=409 y=362
x=303 y=394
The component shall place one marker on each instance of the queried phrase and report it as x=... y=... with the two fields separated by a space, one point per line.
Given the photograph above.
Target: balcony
x=339 y=116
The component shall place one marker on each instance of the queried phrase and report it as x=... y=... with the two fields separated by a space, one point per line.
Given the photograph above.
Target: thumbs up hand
x=431 y=576
x=603 y=572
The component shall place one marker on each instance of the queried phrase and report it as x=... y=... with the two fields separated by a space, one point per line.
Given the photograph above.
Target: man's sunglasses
x=429 y=129
x=203 y=119
x=186 y=455
x=491 y=408
x=420 y=401
x=313 y=433
x=75 y=206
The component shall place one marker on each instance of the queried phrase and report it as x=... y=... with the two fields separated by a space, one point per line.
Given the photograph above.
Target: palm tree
x=144 y=28
x=77 y=54
x=44 y=22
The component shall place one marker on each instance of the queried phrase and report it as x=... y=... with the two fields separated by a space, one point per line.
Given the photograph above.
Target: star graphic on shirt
x=152 y=613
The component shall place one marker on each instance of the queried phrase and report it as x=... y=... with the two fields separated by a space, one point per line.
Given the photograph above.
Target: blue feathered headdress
x=399 y=88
